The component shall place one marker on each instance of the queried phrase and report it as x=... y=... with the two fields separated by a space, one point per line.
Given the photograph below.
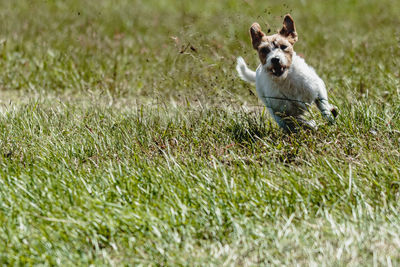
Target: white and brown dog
x=284 y=82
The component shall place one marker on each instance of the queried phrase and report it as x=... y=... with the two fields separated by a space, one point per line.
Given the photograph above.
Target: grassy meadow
x=126 y=137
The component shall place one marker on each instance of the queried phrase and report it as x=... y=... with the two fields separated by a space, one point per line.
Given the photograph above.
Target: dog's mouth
x=278 y=70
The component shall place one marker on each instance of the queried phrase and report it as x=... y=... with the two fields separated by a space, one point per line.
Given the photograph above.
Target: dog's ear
x=289 y=30
x=256 y=35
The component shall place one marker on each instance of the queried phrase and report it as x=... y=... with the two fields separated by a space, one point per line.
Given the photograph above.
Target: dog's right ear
x=256 y=35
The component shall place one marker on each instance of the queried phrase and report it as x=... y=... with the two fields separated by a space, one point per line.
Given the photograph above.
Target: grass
x=127 y=138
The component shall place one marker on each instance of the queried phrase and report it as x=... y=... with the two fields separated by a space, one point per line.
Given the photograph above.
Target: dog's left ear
x=289 y=30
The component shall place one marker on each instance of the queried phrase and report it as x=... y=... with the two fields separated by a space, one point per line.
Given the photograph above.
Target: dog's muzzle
x=277 y=68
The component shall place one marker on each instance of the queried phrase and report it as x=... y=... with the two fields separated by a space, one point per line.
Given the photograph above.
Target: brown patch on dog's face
x=275 y=51
x=272 y=42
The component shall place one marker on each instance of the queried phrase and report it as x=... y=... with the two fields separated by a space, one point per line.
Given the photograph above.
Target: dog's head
x=275 y=51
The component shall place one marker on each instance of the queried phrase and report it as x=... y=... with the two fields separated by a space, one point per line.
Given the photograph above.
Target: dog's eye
x=264 y=50
x=283 y=47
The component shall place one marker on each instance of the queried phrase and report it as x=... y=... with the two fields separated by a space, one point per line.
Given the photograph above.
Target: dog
x=284 y=82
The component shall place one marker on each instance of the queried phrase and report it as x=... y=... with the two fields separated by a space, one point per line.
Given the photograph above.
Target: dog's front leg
x=293 y=124
x=285 y=124
x=328 y=111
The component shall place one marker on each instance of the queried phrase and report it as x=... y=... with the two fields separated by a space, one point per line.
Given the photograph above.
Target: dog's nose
x=275 y=60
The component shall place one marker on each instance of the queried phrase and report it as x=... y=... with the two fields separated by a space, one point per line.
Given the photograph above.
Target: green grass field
x=126 y=137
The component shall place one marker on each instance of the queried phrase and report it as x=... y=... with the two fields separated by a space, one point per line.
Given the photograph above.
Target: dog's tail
x=245 y=73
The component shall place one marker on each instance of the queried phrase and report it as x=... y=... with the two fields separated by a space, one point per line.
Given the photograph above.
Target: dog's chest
x=290 y=96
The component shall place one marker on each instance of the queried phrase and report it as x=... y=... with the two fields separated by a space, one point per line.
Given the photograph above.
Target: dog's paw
x=309 y=125
x=328 y=116
x=334 y=111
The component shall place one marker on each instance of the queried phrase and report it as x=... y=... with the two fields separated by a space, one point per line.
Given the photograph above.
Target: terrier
x=284 y=82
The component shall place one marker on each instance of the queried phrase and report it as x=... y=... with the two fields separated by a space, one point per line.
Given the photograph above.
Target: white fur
x=291 y=93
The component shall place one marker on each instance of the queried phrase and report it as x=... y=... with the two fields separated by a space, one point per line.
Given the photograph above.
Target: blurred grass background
x=127 y=138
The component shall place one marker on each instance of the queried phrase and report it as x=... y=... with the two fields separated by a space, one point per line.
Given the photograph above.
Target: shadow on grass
x=258 y=131
x=249 y=127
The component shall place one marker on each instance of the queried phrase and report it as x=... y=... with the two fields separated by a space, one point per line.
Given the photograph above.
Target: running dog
x=284 y=82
